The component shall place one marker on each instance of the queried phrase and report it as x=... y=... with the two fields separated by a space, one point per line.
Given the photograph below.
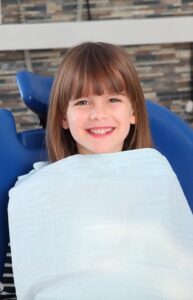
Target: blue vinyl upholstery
x=35 y=91
x=18 y=152
x=171 y=136
x=174 y=139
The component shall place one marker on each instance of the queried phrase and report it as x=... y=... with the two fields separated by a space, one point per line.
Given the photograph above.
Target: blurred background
x=165 y=70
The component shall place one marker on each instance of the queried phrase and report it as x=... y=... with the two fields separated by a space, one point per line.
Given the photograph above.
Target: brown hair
x=92 y=68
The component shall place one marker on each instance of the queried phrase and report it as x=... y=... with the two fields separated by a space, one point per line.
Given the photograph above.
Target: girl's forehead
x=97 y=83
x=105 y=93
x=98 y=89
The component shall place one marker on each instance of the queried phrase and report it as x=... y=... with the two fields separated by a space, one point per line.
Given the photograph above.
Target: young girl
x=97 y=104
x=98 y=221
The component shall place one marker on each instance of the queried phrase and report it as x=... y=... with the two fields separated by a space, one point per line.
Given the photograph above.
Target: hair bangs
x=96 y=77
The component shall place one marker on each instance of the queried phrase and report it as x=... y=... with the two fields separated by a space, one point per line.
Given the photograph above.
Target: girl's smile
x=100 y=131
x=99 y=124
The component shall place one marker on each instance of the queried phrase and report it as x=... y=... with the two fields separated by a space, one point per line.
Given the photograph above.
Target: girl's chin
x=99 y=151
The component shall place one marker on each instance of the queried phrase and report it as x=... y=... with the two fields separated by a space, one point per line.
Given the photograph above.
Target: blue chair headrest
x=35 y=91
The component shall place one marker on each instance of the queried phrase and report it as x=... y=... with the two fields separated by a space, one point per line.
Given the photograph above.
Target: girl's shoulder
x=36 y=167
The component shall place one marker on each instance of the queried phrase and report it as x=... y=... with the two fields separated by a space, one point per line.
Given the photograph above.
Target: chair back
x=18 y=152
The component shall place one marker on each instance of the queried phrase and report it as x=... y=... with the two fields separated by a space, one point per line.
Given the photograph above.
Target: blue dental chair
x=18 y=151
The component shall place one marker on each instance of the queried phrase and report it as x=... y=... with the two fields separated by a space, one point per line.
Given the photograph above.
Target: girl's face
x=99 y=124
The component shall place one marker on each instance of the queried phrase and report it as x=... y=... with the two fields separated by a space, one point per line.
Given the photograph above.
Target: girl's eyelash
x=86 y=102
x=114 y=100
x=81 y=102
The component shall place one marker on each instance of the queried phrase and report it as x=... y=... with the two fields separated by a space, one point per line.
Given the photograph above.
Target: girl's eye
x=82 y=102
x=114 y=100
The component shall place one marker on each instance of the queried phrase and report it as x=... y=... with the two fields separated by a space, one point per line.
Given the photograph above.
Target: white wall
x=122 y=32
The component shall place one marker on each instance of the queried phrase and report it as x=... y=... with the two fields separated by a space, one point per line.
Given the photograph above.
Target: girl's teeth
x=100 y=131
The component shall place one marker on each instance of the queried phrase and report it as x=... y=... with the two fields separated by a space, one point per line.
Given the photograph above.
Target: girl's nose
x=98 y=112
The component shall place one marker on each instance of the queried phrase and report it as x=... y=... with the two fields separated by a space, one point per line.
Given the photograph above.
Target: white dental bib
x=102 y=227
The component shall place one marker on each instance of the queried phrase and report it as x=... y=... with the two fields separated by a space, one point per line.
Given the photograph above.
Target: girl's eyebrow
x=73 y=100
x=122 y=93
x=79 y=98
x=117 y=94
x=109 y=95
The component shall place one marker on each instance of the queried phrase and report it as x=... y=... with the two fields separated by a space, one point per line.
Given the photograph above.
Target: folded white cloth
x=102 y=227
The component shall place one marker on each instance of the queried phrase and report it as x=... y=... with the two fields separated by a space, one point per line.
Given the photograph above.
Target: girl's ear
x=64 y=123
x=132 y=119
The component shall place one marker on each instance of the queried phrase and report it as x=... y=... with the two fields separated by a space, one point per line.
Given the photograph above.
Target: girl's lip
x=100 y=131
x=100 y=127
